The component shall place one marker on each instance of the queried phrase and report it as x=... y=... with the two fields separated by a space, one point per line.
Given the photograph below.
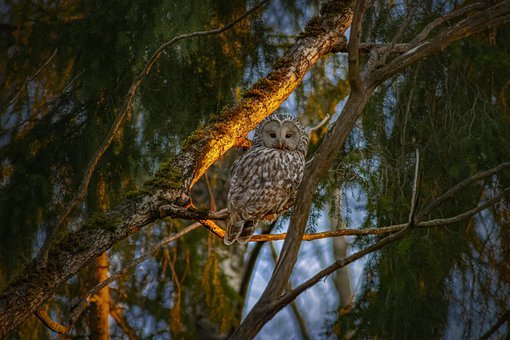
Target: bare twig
x=82 y=190
x=29 y=79
x=321 y=123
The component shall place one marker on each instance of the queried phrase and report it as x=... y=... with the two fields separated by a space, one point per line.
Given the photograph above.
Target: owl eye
x=272 y=135
x=288 y=135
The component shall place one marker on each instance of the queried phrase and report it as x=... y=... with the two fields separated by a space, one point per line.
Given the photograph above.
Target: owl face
x=281 y=135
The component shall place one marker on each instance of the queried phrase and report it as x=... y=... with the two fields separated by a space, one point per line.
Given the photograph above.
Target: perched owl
x=264 y=181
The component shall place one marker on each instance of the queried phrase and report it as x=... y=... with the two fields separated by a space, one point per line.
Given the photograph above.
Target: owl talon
x=246 y=233
x=233 y=232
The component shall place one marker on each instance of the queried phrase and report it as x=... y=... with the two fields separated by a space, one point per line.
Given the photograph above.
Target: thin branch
x=439 y=21
x=29 y=79
x=461 y=185
x=82 y=190
x=505 y=317
x=219 y=232
x=122 y=323
x=83 y=303
x=49 y=323
x=443 y=221
x=414 y=196
x=321 y=123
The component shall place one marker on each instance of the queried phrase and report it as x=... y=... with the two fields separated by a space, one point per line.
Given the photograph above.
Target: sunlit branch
x=291 y=295
x=219 y=232
x=82 y=189
x=49 y=323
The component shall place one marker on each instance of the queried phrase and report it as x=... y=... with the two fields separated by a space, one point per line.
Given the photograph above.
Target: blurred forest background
x=65 y=69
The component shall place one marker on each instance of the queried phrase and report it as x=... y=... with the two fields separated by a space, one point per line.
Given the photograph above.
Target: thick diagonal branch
x=370 y=79
x=172 y=183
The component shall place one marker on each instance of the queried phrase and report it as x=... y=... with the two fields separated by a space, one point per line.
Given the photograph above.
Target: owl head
x=280 y=131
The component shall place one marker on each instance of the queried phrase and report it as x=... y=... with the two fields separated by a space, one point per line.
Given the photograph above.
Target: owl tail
x=241 y=231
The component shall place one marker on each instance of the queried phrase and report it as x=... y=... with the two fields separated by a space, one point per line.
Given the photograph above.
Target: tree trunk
x=340 y=244
x=99 y=308
x=172 y=182
x=322 y=35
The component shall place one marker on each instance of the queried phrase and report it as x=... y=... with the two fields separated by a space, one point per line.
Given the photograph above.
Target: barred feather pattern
x=265 y=180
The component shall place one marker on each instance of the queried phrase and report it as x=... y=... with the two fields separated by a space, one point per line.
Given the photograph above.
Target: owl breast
x=264 y=181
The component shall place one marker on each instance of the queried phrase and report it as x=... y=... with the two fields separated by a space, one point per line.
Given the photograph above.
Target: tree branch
x=49 y=323
x=126 y=109
x=461 y=185
x=288 y=297
x=353 y=47
x=495 y=327
x=262 y=312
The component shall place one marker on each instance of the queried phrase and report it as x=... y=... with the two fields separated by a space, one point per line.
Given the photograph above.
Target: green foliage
x=449 y=108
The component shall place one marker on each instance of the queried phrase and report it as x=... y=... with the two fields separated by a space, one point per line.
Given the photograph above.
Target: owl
x=264 y=181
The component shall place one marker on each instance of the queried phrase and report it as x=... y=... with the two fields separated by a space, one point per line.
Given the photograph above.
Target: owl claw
x=233 y=232
x=246 y=233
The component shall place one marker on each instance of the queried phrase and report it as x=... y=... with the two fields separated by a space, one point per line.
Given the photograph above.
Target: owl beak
x=281 y=146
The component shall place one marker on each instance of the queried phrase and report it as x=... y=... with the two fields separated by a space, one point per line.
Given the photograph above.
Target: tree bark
x=172 y=182
x=99 y=309
x=363 y=83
